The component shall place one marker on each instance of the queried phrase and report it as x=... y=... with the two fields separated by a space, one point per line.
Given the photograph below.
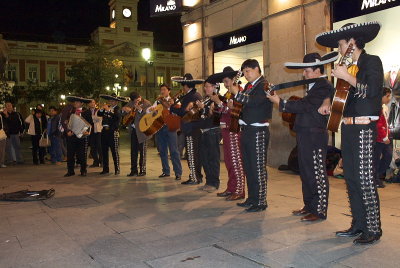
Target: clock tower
x=123 y=15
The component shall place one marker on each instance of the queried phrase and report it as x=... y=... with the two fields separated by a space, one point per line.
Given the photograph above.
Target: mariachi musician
x=75 y=146
x=190 y=129
x=311 y=134
x=256 y=112
x=361 y=112
x=111 y=115
x=232 y=154
x=136 y=108
x=167 y=139
x=210 y=136
x=91 y=117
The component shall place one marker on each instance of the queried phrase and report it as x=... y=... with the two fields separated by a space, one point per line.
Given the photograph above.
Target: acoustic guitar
x=236 y=109
x=128 y=118
x=341 y=94
x=172 y=121
x=152 y=122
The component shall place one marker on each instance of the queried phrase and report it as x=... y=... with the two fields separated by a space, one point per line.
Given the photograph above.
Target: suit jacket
x=366 y=98
x=396 y=86
x=306 y=109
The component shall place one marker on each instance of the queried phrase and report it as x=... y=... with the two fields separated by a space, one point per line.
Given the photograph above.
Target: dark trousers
x=193 y=152
x=167 y=140
x=383 y=154
x=110 y=139
x=210 y=155
x=37 y=152
x=312 y=146
x=254 y=145
x=358 y=142
x=76 y=147
x=138 y=149
x=95 y=148
x=55 y=149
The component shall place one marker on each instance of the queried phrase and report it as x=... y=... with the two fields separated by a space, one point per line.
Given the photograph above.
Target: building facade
x=44 y=62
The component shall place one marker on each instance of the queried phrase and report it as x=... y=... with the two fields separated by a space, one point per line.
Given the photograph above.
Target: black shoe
x=69 y=174
x=132 y=174
x=245 y=204
x=104 y=172
x=141 y=174
x=351 y=232
x=83 y=173
x=163 y=175
x=256 y=208
x=190 y=182
x=117 y=172
x=178 y=177
x=365 y=239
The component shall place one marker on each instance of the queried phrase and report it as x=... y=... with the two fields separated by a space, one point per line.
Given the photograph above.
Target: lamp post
x=146 y=54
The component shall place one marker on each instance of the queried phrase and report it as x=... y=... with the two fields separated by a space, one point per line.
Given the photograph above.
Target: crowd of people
x=241 y=118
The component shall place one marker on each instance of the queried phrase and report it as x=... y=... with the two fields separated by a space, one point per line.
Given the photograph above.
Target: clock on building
x=126 y=12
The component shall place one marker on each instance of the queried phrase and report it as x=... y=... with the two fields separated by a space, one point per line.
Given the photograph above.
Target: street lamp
x=146 y=54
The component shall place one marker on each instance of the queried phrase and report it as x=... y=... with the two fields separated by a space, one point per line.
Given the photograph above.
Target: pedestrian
x=3 y=140
x=15 y=125
x=54 y=136
x=37 y=126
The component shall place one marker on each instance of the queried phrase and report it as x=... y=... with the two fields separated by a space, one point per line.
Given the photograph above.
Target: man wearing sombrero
x=358 y=129
x=311 y=135
x=111 y=115
x=190 y=129
x=76 y=146
x=231 y=141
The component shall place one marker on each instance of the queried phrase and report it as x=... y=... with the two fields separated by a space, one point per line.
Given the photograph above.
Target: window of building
x=12 y=73
x=160 y=79
x=52 y=72
x=32 y=73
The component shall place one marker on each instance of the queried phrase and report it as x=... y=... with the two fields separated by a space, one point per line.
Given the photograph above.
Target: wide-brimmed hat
x=110 y=97
x=76 y=98
x=312 y=60
x=366 y=30
x=124 y=99
x=226 y=72
x=187 y=79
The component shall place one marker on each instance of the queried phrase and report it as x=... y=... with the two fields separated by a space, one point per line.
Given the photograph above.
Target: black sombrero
x=124 y=99
x=312 y=60
x=110 y=97
x=226 y=72
x=76 y=98
x=367 y=30
x=187 y=79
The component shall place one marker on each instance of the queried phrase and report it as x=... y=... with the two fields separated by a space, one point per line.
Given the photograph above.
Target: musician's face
x=78 y=104
x=309 y=73
x=386 y=99
x=164 y=92
x=92 y=104
x=251 y=74
x=209 y=88
x=186 y=88
x=113 y=103
x=343 y=45
x=227 y=82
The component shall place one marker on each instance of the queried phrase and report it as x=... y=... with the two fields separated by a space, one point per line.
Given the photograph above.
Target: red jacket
x=382 y=129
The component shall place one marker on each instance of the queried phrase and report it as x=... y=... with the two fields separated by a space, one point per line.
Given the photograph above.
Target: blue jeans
x=13 y=150
x=55 y=149
x=168 y=140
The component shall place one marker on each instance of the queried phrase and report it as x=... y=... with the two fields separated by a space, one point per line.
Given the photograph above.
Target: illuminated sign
x=374 y=3
x=237 y=40
x=165 y=7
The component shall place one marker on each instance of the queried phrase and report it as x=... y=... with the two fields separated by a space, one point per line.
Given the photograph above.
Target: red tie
x=250 y=86
x=78 y=112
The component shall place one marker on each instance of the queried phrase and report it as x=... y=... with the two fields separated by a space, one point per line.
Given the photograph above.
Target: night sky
x=72 y=21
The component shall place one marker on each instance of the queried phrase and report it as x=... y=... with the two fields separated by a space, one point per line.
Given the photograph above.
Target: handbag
x=44 y=140
x=3 y=134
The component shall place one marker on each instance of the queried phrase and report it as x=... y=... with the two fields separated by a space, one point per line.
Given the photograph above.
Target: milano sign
x=165 y=7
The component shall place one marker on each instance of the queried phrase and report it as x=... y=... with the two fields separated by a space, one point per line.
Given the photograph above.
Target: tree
x=91 y=76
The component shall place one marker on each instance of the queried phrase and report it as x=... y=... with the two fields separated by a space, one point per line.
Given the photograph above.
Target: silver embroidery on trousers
x=261 y=167
x=237 y=162
x=116 y=146
x=190 y=155
x=368 y=190
x=143 y=166
x=320 y=178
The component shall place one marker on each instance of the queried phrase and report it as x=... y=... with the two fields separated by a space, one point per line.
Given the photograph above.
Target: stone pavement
x=116 y=221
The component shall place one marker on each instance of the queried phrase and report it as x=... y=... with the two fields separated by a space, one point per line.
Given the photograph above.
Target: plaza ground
x=116 y=221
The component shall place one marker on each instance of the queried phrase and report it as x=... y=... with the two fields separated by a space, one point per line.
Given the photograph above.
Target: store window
x=160 y=79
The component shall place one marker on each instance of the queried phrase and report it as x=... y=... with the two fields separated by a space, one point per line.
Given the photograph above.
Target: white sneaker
x=3 y=166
